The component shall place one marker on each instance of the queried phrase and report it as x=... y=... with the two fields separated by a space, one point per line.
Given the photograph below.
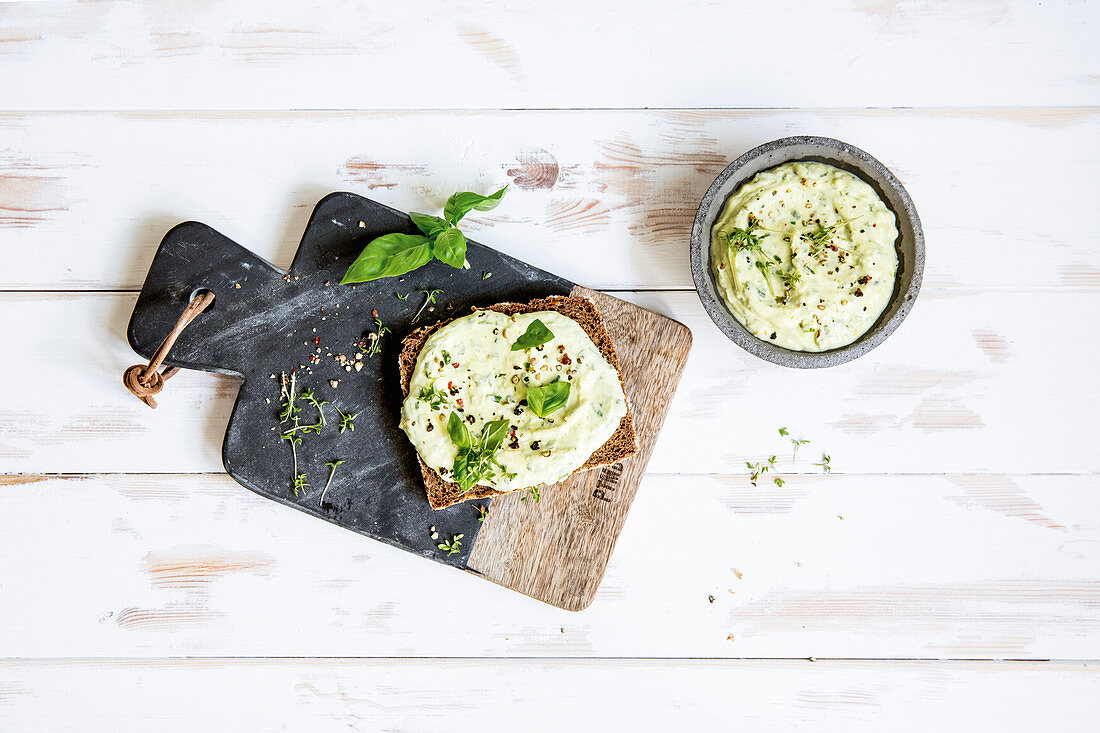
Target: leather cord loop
x=143 y=380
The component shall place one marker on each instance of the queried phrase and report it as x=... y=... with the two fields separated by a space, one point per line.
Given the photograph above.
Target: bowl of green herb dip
x=807 y=252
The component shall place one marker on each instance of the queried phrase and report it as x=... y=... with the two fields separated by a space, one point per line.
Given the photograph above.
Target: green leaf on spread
x=548 y=398
x=476 y=460
x=536 y=334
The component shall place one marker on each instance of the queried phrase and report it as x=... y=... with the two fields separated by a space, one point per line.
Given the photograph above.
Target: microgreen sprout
x=307 y=395
x=289 y=396
x=756 y=469
x=453 y=546
x=482 y=512
x=794 y=441
x=534 y=490
x=373 y=343
x=297 y=427
x=429 y=299
x=294 y=440
x=821 y=236
x=332 y=472
x=747 y=238
x=435 y=398
x=825 y=464
x=346 y=420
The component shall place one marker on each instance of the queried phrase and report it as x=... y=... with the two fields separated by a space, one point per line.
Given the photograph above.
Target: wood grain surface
x=557 y=550
x=569 y=54
x=324 y=695
x=143 y=589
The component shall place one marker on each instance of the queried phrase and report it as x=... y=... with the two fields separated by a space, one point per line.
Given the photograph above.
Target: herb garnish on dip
x=804 y=256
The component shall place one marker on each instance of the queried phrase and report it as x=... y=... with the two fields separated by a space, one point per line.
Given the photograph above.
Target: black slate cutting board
x=265 y=321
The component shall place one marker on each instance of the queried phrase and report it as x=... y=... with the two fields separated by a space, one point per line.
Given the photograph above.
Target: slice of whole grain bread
x=621 y=445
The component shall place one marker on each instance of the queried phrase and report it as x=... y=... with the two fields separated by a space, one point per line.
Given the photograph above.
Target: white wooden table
x=946 y=575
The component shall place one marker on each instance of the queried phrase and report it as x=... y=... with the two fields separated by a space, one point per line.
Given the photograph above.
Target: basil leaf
x=492 y=435
x=450 y=247
x=548 y=398
x=430 y=225
x=460 y=434
x=460 y=471
x=461 y=204
x=536 y=334
x=389 y=255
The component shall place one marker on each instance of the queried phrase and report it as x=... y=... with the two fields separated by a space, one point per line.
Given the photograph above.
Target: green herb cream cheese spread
x=468 y=367
x=804 y=256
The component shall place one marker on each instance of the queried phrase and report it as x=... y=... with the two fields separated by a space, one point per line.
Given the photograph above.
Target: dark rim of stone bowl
x=909 y=244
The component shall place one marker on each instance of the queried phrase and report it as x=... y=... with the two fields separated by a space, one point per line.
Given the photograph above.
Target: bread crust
x=623 y=442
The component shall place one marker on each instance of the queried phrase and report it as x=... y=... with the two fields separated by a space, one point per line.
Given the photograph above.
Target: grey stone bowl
x=910 y=244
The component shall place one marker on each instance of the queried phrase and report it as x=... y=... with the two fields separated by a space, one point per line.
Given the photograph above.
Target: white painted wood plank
x=606 y=199
x=993 y=382
x=423 y=54
x=544 y=695
x=844 y=566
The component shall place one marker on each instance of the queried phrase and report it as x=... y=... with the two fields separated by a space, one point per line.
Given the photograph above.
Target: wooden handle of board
x=557 y=550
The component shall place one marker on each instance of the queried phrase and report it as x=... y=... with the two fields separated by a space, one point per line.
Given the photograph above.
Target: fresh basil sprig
x=536 y=334
x=396 y=254
x=476 y=460
x=548 y=398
